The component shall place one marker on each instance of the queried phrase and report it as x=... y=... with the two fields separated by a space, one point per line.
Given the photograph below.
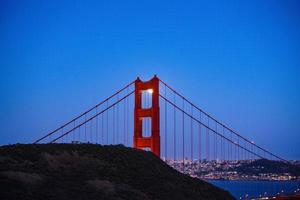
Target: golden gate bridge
x=153 y=116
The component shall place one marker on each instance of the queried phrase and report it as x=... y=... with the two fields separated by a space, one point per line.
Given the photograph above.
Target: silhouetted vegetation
x=269 y=166
x=88 y=171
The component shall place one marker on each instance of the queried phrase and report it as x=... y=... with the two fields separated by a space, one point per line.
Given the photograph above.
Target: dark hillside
x=87 y=171
x=269 y=166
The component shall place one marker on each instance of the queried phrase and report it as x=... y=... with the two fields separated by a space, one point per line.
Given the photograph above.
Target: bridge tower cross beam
x=153 y=141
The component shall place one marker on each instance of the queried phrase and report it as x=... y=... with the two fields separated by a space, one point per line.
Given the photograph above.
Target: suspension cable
x=112 y=105
x=82 y=114
x=234 y=132
x=210 y=129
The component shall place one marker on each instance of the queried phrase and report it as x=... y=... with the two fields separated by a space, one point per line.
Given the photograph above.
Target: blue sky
x=238 y=60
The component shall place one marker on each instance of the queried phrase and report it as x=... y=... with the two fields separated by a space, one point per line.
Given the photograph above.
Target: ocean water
x=255 y=188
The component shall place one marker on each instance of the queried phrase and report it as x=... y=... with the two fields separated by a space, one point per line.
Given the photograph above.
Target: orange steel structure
x=153 y=141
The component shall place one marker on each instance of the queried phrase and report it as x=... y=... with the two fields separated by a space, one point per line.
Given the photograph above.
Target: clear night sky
x=238 y=60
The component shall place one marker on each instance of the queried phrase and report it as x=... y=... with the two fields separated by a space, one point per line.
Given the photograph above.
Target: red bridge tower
x=153 y=141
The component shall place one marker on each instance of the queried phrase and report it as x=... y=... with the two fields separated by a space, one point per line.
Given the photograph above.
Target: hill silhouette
x=269 y=166
x=89 y=171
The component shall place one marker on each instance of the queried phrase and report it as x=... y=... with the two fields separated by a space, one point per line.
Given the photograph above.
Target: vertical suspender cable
x=79 y=134
x=183 y=135
x=199 y=146
x=207 y=141
x=97 y=126
x=91 y=130
x=106 y=123
x=245 y=152
x=124 y=122
x=74 y=130
x=66 y=138
x=231 y=145
x=102 y=128
x=192 y=147
x=85 y=140
x=62 y=132
x=251 y=156
x=174 y=128
x=216 y=143
x=113 y=126
x=238 y=150
x=117 y=121
x=166 y=139
x=217 y=147
x=127 y=118
x=222 y=145
x=235 y=151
